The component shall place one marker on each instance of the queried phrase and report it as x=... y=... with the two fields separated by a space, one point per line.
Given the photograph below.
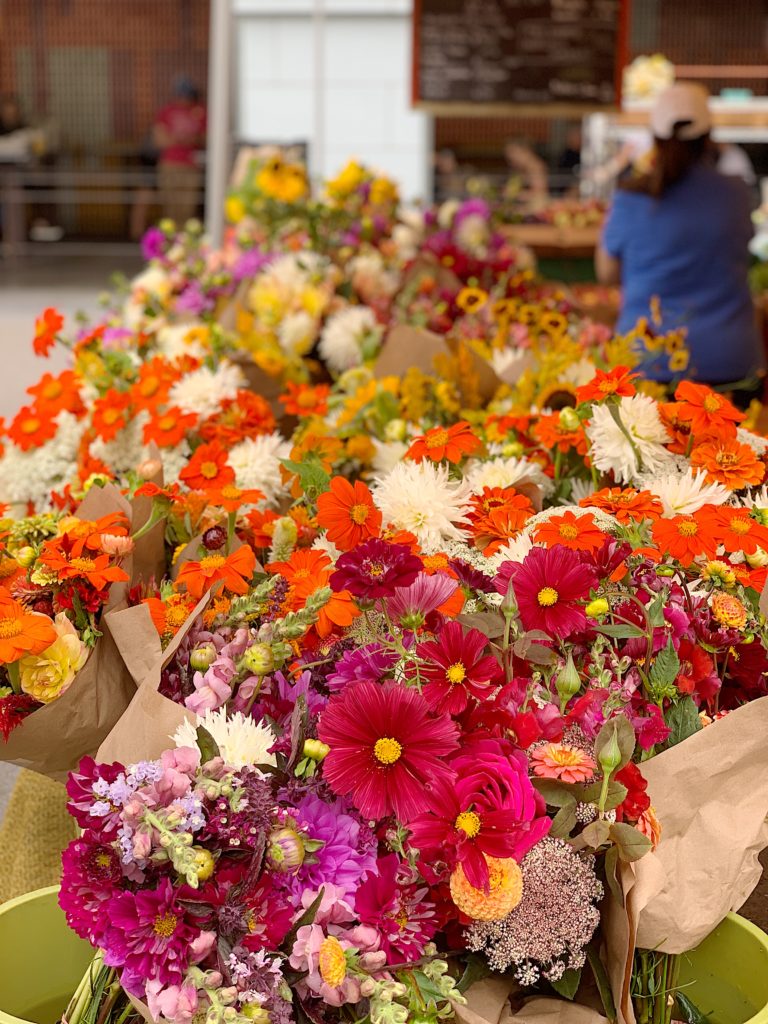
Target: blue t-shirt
x=689 y=248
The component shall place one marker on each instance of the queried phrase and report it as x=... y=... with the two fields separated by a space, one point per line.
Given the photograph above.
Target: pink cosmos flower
x=410 y=606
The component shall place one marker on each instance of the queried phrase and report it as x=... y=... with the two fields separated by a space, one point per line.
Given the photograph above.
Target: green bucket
x=726 y=977
x=41 y=961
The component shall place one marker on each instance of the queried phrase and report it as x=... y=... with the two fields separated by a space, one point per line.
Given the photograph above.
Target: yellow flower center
x=333 y=963
x=176 y=615
x=375 y=569
x=8 y=566
x=688 y=528
x=103 y=860
x=29 y=426
x=212 y=562
x=359 y=513
x=111 y=416
x=566 y=757
x=165 y=925
x=568 y=531
x=167 y=422
x=726 y=459
x=436 y=440
x=547 y=596
x=306 y=399
x=209 y=470
x=469 y=823
x=456 y=673
x=741 y=524
x=712 y=403
x=607 y=386
x=149 y=386
x=230 y=491
x=53 y=390
x=387 y=750
x=83 y=564
x=9 y=628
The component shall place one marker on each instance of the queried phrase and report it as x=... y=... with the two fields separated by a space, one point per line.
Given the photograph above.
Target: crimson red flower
x=698 y=675
x=387 y=750
x=637 y=801
x=549 y=585
x=456 y=668
x=13 y=710
x=375 y=568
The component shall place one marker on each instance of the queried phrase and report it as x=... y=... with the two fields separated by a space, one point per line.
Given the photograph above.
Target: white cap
x=685 y=104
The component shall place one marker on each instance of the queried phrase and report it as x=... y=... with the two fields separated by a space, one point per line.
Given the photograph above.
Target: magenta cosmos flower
x=386 y=748
x=375 y=568
x=491 y=809
x=409 y=606
x=549 y=585
x=456 y=668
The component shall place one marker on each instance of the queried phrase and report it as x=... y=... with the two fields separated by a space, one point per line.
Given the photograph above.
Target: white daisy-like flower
x=174 y=340
x=349 y=338
x=514 y=550
x=322 y=543
x=242 y=742
x=388 y=455
x=580 y=489
x=756 y=498
x=256 y=462
x=506 y=472
x=422 y=498
x=202 y=391
x=296 y=333
x=509 y=364
x=611 y=447
x=579 y=373
x=685 y=493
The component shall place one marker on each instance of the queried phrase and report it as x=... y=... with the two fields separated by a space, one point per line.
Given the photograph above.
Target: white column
x=218 y=155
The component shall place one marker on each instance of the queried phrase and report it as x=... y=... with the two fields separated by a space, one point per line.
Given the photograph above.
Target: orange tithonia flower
x=504 y=893
x=208 y=469
x=235 y=571
x=576 y=532
x=31 y=427
x=22 y=632
x=553 y=433
x=305 y=400
x=496 y=515
x=348 y=514
x=110 y=414
x=706 y=410
x=451 y=443
x=169 y=428
x=57 y=393
x=170 y=615
x=245 y=415
x=47 y=326
x=625 y=504
x=729 y=462
x=618 y=382
x=95 y=569
x=154 y=383
x=562 y=761
x=739 y=531
x=232 y=498
x=687 y=537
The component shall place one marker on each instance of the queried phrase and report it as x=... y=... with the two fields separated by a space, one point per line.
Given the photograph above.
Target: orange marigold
x=451 y=443
x=729 y=462
x=347 y=513
x=497 y=514
x=244 y=416
x=505 y=880
x=576 y=532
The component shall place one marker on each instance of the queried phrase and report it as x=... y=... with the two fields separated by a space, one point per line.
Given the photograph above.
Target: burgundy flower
x=375 y=568
x=549 y=585
x=456 y=668
x=399 y=911
x=13 y=710
x=471 y=577
x=90 y=880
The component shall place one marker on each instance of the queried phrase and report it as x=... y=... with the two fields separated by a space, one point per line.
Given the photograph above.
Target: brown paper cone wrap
x=488 y=1003
x=150 y=720
x=710 y=794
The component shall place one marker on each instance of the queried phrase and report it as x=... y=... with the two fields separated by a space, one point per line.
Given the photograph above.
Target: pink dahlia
x=549 y=585
x=398 y=909
x=387 y=750
x=456 y=669
x=91 y=877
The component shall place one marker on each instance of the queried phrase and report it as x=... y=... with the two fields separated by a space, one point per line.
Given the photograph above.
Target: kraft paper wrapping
x=150 y=720
x=710 y=793
x=488 y=1003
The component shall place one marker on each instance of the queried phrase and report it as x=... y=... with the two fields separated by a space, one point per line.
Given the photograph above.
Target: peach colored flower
x=46 y=676
x=112 y=544
x=650 y=826
x=561 y=761
x=505 y=880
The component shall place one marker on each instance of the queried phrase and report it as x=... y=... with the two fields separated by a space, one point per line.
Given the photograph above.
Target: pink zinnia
x=386 y=748
x=549 y=584
x=562 y=761
x=456 y=668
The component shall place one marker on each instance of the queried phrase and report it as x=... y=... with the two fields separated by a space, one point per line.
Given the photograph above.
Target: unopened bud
x=316 y=749
x=597 y=607
x=610 y=755
x=757 y=560
x=204 y=864
x=567 y=682
x=259 y=659
x=568 y=419
x=285 y=850
x=25 y=556
x=665 y=570
x=149 y=468
x=255 y=1013
x=202 y=657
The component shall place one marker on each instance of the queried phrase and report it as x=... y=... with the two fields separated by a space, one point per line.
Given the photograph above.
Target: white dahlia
x=388 y=455
x=203 y=390
x=242 y=742
x=422 y=498
x=686 y=492
x=638 y=447
x=514 y=550
x=256 y=462
x=296 y=333
x=349 y=338
x=506 y=472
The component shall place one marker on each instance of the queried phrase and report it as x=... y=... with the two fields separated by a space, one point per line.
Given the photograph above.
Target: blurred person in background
x=11 y=117
x=676 y=238
x=531 y=170
x=179 y=134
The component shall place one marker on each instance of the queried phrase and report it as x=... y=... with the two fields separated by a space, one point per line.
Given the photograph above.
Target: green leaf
x=476 y=970
x=617 y=794
x=555 y=794
x=601 y=979
x=620 y=631
x=665 y=668
x=655 y=610
x=490 y=624
x=689 y=1012
x=683 y=719
x=631 y=844
x=307 y=917
x=207 y=745
x=621 y=727
x=568 y=985
x=564 y=821
x=596 y=834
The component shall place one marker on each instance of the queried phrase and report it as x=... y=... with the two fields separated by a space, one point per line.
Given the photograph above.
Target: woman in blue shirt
x=679 y=234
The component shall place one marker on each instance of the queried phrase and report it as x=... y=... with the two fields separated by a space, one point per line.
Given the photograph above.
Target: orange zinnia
x=170 y=615
x=625 y=504
x=235 y=571
x=687 y=537
x=576 y=532
x=169 y=428
x=347 y=513
x=56 y=393
x=305 y=400
x=451 y=443
x=31 y=427
x=246 y=415
x=729 y=462
x=496 y=515
x=550 y=432
x=47 y=326
x=110 y=414
x=261 y=527
x=22 y=632
x=706 y=410
x=208 y=469
x=738 y=531
x=97 y=570
x=679 y=430
x=302 y=571
x=604 y=385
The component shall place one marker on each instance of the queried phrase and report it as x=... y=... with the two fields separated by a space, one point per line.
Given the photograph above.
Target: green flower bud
x=202 y=657
x=203 y=864
x=597 y=607
x=610 y=756
x=259 y=659
x=316 y=749
x=285 y=850
x=568 y=419
x=567 y=682
x=25 y=556
x=665 y=570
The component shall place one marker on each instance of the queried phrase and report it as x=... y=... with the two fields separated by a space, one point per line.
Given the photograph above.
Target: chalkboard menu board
x=517 y=53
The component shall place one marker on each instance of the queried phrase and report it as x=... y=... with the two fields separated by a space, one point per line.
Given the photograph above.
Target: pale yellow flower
x=46 y=676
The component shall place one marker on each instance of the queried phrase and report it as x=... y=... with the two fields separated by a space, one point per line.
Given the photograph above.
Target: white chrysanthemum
x=514 y=550
x=174 y=340
x=296 y=333
x=509 y=364
x=685 y=493
x=256 y=462
x=126 y=450
x=422 y=498
x=758 y=444
x=580 y=489
x=203 y=390
x=322 y=543
x=31 y=476
x=388 y=455
x=349 y=337
x=613 y=451
x=509 y=472
x=370 y=277
x=756 y=498
x=242 y=742
x=579 y=373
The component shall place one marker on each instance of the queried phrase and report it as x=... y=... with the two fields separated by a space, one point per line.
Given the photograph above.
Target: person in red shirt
x=179 y=134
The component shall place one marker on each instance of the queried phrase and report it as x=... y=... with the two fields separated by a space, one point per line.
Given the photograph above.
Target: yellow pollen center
x=8 y=566
x=83 y=564
x=306 y=400
x=688 y=528
x=359 y=513
x=741 y=524
x=29 y=426
x=607 y=386
x=103 y=860
x=436 y=440
x=387 y=750
x=547 y=596
x=111 y=416
x=212 y=561
x=149 y=386
x=375 y=569
x=711 y=403
x=456 y=673
x=568 y=531
x=53 y=390
x=726 y=459
x=176 y=615
x=9 y=628
x=332 y=962
x=165 y=925
x=209 y=470
x=565 y=756
x=167 y=423
x=469 y=823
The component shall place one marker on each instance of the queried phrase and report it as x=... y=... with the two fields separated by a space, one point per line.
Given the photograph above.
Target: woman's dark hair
x=673 y=159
